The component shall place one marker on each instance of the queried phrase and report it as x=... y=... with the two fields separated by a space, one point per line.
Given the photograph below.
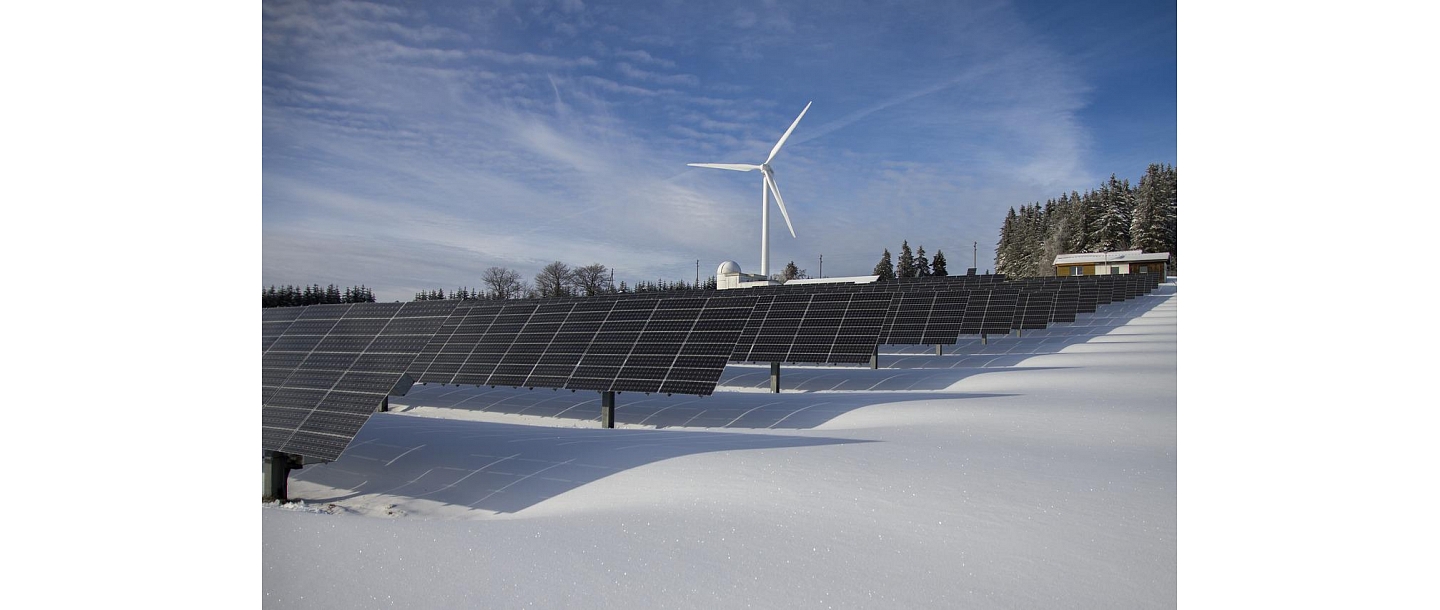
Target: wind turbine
x=767 y=187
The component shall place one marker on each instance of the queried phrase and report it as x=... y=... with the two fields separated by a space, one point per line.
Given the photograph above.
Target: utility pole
x=822 y=265
x=974 y=253
x=697 y=273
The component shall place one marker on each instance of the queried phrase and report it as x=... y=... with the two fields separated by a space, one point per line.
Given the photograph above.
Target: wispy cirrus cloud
x=409 y=147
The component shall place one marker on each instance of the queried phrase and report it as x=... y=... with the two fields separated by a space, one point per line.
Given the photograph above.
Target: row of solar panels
x=326 y=368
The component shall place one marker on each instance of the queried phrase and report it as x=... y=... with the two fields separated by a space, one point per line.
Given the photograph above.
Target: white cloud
x=414 y=154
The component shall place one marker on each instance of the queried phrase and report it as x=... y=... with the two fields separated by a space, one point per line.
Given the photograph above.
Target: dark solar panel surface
x=1067 y=302
x=925 y=318
x=1106 y=289
x=818 y=328
x=1033 y=309
x=1118 y=288
x=1089 y=295
x=989 y=312
x=273 y=322
x=332 y=367
x=1135 y=285
x=641 y=344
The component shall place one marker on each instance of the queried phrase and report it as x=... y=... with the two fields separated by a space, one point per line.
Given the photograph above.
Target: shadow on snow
x=506 y=467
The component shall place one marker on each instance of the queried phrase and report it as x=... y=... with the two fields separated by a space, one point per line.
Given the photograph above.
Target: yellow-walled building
x=1111 y=263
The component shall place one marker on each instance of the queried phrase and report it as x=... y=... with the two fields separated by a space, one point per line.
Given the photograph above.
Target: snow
x=1037 y=471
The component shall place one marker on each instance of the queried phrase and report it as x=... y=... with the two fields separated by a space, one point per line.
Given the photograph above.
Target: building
x=728 y=276
x=1112 y=263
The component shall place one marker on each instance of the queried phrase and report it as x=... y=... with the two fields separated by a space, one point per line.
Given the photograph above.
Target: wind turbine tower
x=767 y=188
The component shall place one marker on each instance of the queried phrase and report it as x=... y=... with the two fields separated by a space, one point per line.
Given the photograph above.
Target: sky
x=410 y=146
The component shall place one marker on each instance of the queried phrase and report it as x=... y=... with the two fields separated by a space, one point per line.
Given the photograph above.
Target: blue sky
x=410 y=146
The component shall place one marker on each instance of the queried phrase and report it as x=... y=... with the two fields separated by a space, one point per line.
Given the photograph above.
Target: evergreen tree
x=1005 y=251
x=1112 y=228
x=791 y=272
x=922 y=264
x=938 y=265
x=1152 y=225
x=905 y=265
x=883 y=268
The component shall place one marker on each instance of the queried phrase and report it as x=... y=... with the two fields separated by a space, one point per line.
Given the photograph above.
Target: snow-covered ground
x=1030 y=472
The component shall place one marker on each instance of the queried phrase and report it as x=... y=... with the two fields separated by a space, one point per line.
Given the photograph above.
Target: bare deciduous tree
x=591 y=280
x=554 y=280
x=503 y=283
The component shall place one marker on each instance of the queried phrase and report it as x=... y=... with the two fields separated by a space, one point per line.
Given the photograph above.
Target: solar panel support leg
x=775 y=377
x=983 y=339
x=607 y=409
x=1019 y=333
x=385 y=405
x=875 y=358
x=277 y=475
x=939 y=349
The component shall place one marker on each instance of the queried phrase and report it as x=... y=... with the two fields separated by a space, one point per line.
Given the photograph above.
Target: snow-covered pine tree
x=1112 y=226
x=905 y=265
x=1145 y=234
x=1004 y=250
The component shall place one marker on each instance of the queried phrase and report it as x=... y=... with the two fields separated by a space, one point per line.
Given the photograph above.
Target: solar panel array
x=331 y=366
x=820 y=327
x=670 y=345
x=326 y=368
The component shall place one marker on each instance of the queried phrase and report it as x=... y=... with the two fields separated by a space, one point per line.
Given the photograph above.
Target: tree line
x=910 y=264
x=1114 y=216
x=294 y=296
x=556 y=279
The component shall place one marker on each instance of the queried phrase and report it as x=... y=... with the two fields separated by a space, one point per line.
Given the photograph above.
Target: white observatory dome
x=728 y=267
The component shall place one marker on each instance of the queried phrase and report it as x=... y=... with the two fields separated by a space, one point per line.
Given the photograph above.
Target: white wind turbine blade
x=776 y=150
x=774 y=190
x=737 y=167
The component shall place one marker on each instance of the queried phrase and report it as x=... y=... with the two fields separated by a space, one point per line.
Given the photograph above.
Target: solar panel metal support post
x=775 y=377
x=277 y=474
x=385 y=405
x=607 y=409
x=875 y=358
x=983 y=339
x=939 y=349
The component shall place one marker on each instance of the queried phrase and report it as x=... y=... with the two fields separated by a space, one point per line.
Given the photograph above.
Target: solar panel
x=1033 y=310
x=273 y=322
x=925 y=318
x=641 y=344
x=989 y=312
x=820 y=328
x=1140 y=284
x=1067 y=302
x=1106 y=286
x=333 y=366
x=1089 y=294
x=908 y=317
x=1118 y=288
